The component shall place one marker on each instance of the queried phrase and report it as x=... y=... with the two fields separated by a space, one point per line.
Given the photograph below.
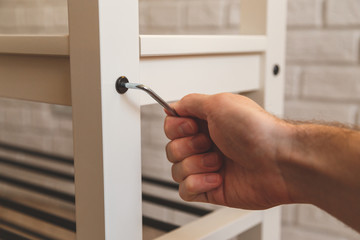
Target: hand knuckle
x=169 y=151
x=183 y=196
x=167 y=128
x=188 y=98
x=175 y=173
x=189 y=185
x=183 y=193
x=185 y=168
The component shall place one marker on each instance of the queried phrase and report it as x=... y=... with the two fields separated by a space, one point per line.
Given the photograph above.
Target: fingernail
x=212 y=178
x=185 y=129
x=210 y=160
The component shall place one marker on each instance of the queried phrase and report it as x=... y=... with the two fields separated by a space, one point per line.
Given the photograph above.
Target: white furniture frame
x=81 y=71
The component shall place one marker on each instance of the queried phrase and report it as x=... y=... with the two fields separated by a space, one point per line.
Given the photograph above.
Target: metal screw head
x=119 y=85
x=276 y=70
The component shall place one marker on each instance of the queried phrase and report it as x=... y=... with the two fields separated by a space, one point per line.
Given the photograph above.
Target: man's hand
x=225 y=150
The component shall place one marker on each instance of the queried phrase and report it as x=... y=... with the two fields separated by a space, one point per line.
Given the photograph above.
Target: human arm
x=254 y=160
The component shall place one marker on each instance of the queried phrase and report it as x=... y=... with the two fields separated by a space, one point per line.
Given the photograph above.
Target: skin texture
x=227 y=150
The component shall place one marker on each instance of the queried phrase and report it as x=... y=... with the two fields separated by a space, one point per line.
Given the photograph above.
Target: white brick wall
x=331 y=83
x=292 y=85
x=322 y=80
x=308 y=16
x=205 y=14
x=40 y=126
x=35 y=16
x=317 y=110
x=343 y=13
x=189 y=17
x=323 y=45
x=164 y=15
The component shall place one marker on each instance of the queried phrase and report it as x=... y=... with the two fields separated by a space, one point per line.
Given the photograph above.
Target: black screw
x=119 y=85
x=276 y=70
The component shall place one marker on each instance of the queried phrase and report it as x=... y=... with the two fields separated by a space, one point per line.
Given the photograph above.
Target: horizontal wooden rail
x=224 y=223
x=150 y=45
x=170 y=45
x=35 y=44
x=40 y=78
x=37 y=68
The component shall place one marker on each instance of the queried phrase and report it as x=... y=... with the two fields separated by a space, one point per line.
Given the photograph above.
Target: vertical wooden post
x=270 y=228
x=275 y=56
x=269 y=17
x=104 y=44
x=274 y=90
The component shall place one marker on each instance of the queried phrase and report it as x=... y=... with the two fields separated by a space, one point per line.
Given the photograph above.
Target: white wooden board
x=165 y=45
x=221 y=224
x=174 y=77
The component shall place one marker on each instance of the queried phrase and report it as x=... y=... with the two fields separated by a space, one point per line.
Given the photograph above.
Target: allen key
x=122 y=85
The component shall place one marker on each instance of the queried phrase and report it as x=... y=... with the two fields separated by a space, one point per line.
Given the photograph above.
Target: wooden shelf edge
x=221 y=224
x=35 y=44
x=172 y=45
x=150 y=45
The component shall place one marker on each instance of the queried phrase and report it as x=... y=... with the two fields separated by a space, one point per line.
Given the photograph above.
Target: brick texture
x=292 y=82
x=322 y=83
x=233 y=14
x=205 y=14
x=343 y=13
x=319 y=46
x=33 y=17
x=189 y=17
x=164 y=15
x=306 y=110
x=311 y=13
x=332 y=83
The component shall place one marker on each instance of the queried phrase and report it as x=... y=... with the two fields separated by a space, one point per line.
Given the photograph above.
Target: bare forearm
x=323 y=168
x=261 y=161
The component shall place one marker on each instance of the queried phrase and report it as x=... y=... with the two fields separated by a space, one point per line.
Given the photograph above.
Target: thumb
x=192 y=105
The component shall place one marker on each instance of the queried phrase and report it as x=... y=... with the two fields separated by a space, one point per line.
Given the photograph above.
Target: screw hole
x=119 y=85
x=276 y=70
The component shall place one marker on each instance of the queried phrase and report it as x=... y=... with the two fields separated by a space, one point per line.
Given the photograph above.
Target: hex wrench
x=122 y=85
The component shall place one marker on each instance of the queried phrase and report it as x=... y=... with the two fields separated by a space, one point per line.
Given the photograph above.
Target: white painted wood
x=270 y=228
x=275 y=54
x=35 y=68
x=151 y=45
x=35 y=78
x=103 y=46
x=47 y=78
x=274 y=91
x=174 y=77
x=35 y=44
x=221 y=224
x=173 y=45
x=271 y=95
